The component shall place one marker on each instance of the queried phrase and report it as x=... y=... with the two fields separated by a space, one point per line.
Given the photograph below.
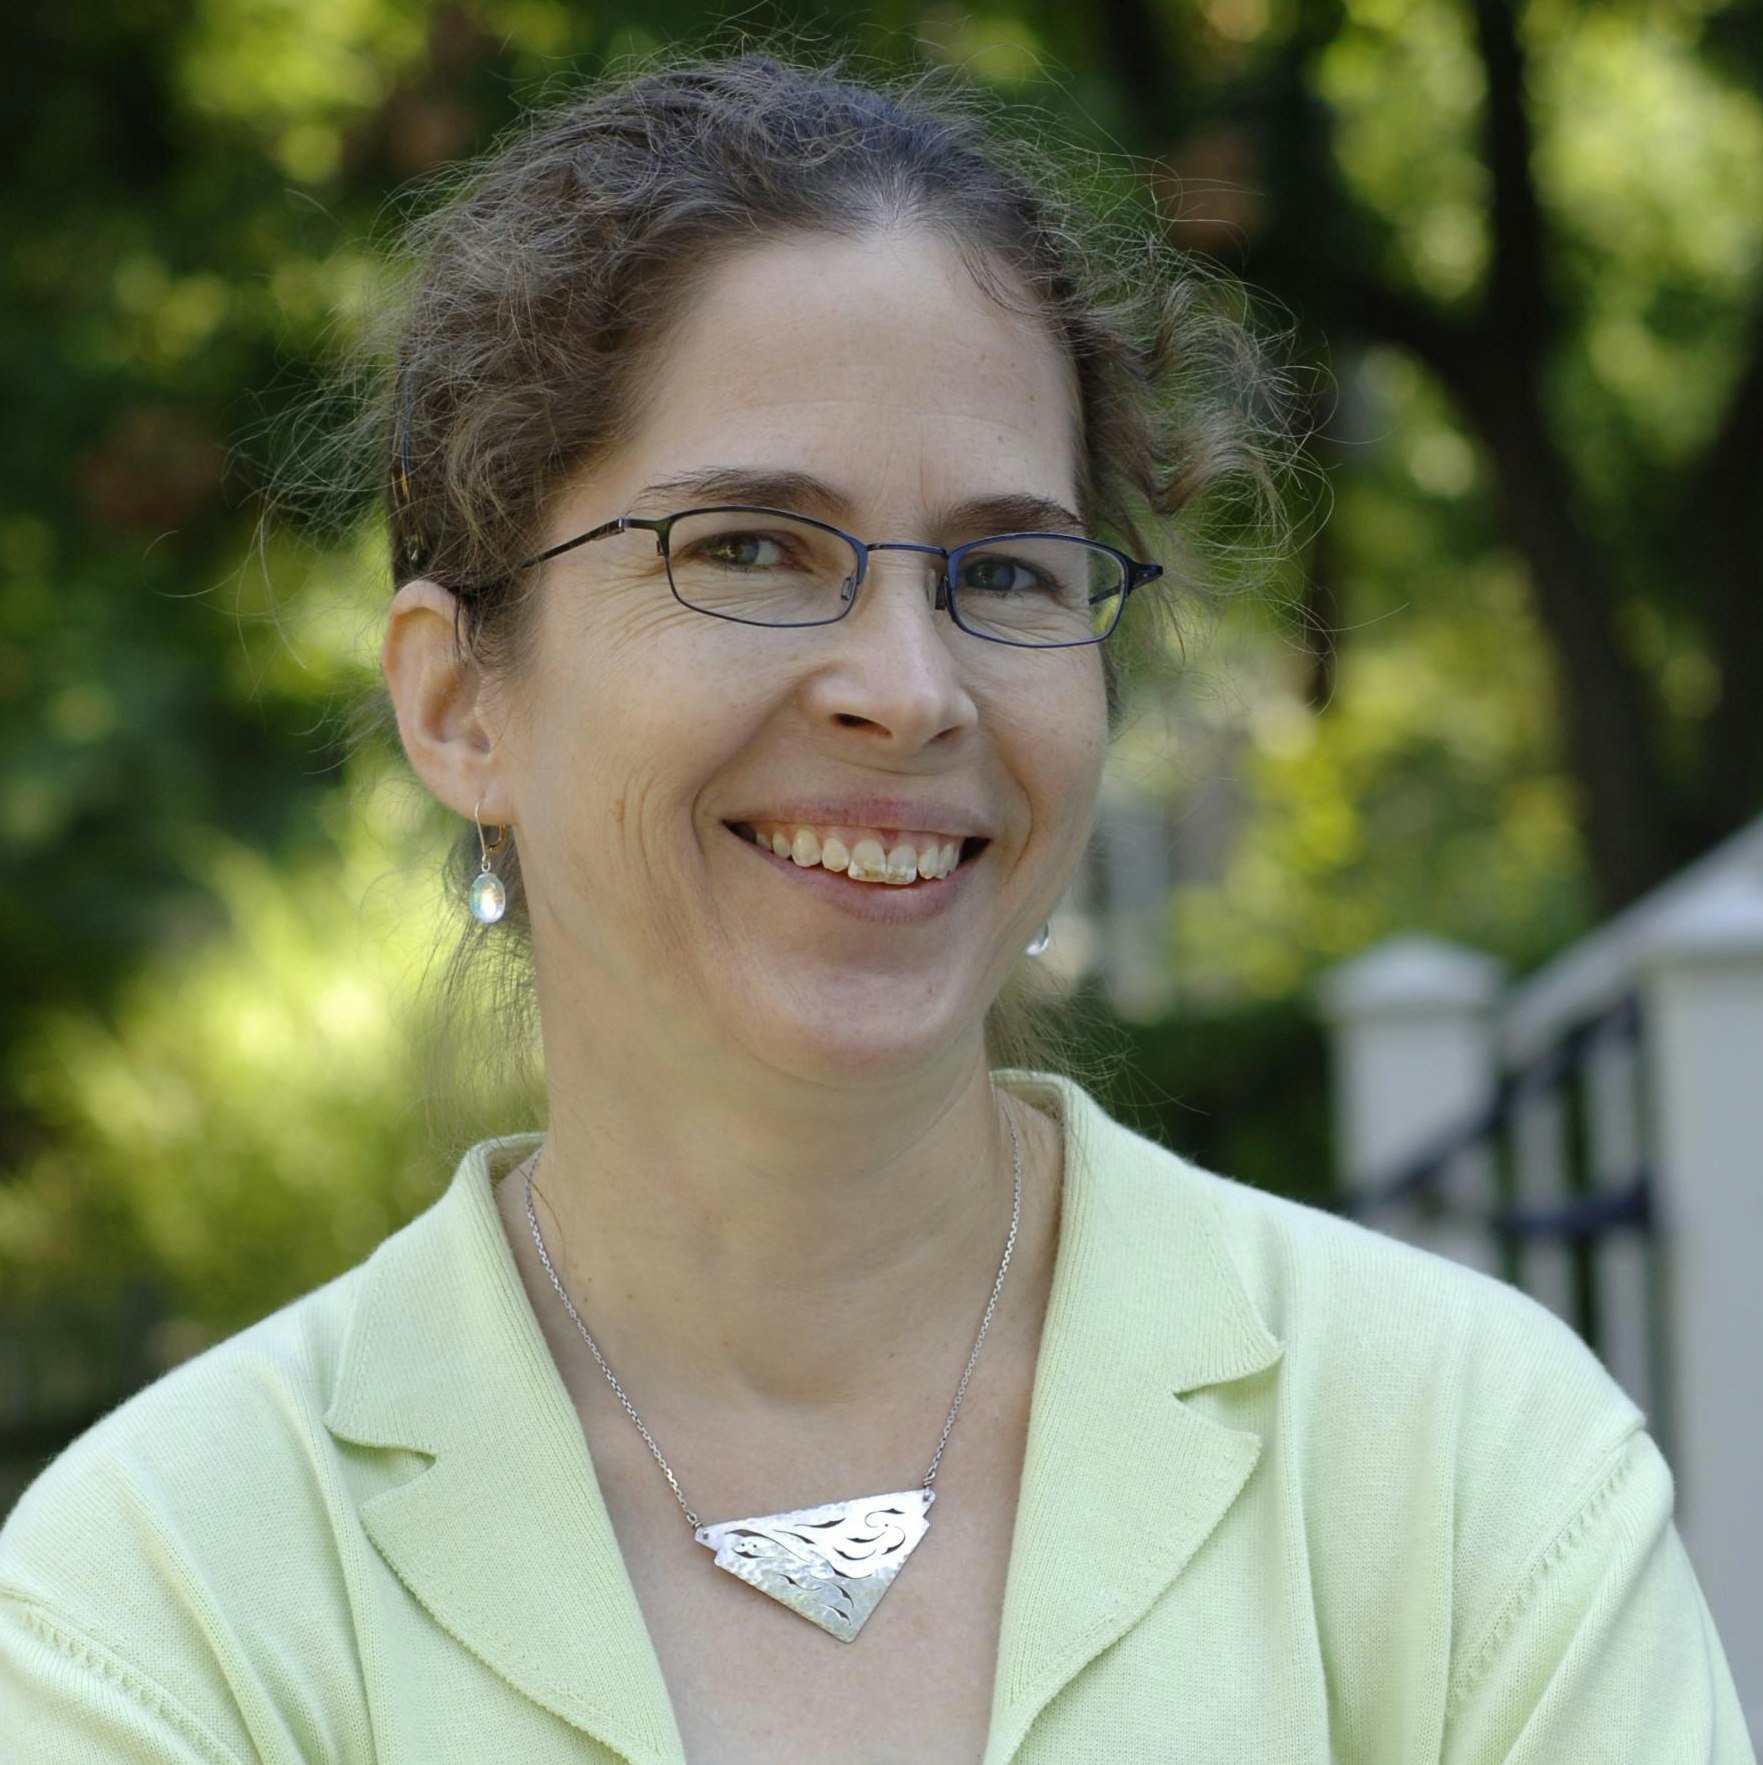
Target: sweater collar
x=504 y=1537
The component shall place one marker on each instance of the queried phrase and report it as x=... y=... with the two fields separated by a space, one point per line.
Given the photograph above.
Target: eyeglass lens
x=767 y=569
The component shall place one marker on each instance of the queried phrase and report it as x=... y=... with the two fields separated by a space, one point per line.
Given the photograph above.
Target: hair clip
x=404 y=444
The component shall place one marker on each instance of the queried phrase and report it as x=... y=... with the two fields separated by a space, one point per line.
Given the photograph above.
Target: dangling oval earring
x=1042 y=939
x=488 y=897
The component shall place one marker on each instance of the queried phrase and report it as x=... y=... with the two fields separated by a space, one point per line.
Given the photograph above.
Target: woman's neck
x=729 y=1264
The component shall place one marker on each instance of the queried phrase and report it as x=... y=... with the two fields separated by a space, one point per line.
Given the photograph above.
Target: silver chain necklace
x=829 y=1564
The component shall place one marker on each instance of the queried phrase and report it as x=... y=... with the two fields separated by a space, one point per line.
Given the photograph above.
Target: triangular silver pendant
x=830 y=1564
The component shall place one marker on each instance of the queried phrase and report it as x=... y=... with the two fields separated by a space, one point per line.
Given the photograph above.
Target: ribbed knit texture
x=1293 y=1491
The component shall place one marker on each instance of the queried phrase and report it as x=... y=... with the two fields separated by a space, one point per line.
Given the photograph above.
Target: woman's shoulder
x=245 y=1425
x=1422 y=1396
x=235 y=1402
x=1373 y=1330
x=1356 y=1306
x=1340 y=1291
x=137 y=1556
x=1478 y=1513
x=203 y=1551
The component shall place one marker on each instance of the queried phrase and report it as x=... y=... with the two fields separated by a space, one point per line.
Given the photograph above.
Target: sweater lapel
x=1121 y=1482
x=504 y=1537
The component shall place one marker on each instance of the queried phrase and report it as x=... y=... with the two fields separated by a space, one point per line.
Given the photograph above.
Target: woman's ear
x=440 y=700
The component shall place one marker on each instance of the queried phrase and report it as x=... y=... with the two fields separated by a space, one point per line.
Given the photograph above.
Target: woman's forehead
x=858 y=360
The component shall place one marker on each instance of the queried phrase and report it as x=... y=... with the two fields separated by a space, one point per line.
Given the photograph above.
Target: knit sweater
x=1293 y=1491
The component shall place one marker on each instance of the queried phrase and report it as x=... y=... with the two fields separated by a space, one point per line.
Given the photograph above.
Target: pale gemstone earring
x=488 y=897
x=1042 y=939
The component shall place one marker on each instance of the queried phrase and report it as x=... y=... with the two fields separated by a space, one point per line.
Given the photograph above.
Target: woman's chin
x=841 y=1044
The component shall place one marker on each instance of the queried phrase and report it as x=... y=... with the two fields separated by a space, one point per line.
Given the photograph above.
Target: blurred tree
x=1555 y=210
x=247 y=1120
x=189 y=187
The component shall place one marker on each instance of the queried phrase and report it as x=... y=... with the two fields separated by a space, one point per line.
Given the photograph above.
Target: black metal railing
x=1600 y=1197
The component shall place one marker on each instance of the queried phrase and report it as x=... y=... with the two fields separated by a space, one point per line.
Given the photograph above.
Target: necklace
x=829 y=1564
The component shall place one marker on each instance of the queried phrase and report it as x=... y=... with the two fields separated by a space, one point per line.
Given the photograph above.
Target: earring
x=488 y=897
x=1042 y=939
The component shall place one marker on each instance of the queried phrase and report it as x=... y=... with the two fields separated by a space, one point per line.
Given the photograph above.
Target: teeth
x=864 y=859
x=868 y=862
x=903 y=864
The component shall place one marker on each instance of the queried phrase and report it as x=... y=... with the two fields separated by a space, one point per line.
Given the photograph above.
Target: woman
x=752 y=442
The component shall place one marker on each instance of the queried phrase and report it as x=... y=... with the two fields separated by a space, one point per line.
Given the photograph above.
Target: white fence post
x=1414 y=1056
x=1703 y=1031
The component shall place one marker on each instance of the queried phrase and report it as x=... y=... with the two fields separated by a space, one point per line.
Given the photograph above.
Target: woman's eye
x=743 y=551
x=999 y=575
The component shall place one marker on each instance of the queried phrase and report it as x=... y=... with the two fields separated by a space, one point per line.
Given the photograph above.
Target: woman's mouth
x=885 y=857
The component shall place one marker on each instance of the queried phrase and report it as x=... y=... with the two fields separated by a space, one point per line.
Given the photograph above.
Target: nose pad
x=935 y=568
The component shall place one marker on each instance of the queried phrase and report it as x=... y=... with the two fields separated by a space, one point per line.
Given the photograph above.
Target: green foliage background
x=217 y=921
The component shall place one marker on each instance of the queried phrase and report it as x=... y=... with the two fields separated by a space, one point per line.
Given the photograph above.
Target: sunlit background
x=1509 y=689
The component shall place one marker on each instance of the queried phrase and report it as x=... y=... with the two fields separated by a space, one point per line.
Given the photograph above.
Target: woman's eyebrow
x=1011 y=512
x=775 y=489
x=1006 y=512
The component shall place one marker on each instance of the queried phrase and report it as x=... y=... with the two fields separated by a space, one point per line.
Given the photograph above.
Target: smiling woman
x=1148 y=411
x=769 y=474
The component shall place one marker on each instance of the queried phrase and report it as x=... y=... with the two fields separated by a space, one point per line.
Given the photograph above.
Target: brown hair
x=540 y=290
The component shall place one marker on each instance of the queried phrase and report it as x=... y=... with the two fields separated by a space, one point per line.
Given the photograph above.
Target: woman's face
x=645 y=735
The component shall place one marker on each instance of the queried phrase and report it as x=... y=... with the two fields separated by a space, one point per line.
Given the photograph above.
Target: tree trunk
x=1493 y=368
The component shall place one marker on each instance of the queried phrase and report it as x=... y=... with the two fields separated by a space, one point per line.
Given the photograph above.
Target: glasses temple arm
x=569 y=545
x=1137 y=576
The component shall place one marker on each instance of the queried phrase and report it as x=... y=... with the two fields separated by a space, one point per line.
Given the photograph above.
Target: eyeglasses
x=760 y=566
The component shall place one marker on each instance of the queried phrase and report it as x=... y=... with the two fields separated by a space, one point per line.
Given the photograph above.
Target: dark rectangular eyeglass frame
x=1134 y=572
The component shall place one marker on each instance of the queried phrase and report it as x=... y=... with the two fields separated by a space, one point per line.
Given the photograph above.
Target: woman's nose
x=897 y=666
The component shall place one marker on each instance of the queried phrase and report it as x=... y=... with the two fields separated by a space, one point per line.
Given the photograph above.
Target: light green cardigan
x=1294 y=1491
